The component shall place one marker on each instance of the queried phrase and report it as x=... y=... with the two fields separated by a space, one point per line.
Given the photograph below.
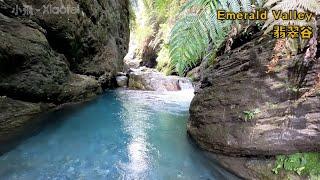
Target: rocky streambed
x=148 y=79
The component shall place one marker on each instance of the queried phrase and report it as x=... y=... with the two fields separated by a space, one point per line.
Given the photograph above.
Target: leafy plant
x=151 y=28
x=293 y=45
x=249 y=115
x=312 y=6
x=160 y=9
x=163 y=60
x=198 y=27
x=300 y=163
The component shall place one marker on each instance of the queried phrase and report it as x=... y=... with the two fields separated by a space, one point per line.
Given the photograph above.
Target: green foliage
x=188 y=42
x=249 y=115
x=300 y=163
x=153 y=22
x=198 y=27
x=165 y=8
x=164 y=14
x=163 y=60
x=160 y=10
x=132 y=17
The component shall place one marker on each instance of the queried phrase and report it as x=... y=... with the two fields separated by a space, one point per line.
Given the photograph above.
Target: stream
x=122 y=134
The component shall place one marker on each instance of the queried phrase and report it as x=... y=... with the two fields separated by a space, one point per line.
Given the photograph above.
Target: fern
x=198 y=27
x=286 y=5
x=190 y=38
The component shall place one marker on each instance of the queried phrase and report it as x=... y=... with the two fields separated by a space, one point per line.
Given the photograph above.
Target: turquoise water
x=120 y=135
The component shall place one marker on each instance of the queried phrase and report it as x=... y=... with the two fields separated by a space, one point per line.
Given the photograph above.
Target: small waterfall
x=186 y=85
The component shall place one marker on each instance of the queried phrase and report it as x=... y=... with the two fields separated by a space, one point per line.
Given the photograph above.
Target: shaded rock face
x=152 y=80
x=41 y=52
x=149 y=51
x=16 y=118
x=48 y=55
x=237 y=85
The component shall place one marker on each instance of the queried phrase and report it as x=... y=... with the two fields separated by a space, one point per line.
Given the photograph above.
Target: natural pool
x=120 y=135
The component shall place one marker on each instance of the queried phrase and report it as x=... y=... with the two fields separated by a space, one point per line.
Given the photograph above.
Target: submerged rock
x=152 y=80
x=17 y=117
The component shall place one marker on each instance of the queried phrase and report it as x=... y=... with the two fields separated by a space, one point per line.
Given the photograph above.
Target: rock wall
x=59 y=51
x=241 y=110
x=42 y=50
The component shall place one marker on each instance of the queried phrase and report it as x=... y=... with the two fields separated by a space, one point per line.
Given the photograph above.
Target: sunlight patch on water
x=121 y=135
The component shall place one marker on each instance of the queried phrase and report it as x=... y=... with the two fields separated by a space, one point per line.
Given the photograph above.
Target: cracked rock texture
x=280 y=122
x=237 y=83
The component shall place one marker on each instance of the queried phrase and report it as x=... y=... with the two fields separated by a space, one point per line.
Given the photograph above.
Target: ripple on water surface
x=120 y=135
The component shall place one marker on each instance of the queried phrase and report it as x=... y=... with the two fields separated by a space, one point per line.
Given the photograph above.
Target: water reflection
x=121 y=135
x=135 y=124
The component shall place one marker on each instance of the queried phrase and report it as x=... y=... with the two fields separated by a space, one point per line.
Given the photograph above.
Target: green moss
x=300 y=163
x=191 y=76
x=163 y=60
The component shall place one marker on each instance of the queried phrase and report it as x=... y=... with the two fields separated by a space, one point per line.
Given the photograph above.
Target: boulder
x=29 y=68
x=152 y=80
x=129 y=63
x=79 y=88
x=241 y=110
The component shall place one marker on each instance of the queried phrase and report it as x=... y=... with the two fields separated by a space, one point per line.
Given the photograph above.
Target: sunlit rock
x=152 y=80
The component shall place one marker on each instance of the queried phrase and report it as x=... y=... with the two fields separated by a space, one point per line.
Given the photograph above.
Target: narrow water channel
x=120 y=135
